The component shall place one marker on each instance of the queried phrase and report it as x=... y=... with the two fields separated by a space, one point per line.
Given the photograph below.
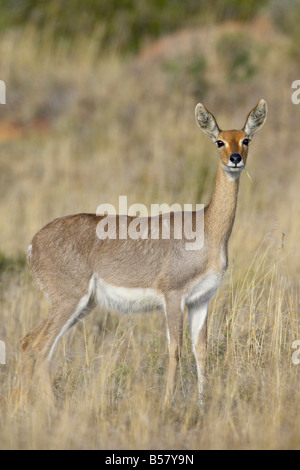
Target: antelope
x=77 y=270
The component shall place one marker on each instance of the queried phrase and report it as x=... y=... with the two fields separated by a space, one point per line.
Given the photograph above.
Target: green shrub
x=124 y=24
x=16 y=263
x=237 y=55
x=187 y=74
x=286 y=15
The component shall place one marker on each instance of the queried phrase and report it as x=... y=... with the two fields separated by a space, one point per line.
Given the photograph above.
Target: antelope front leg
x=198 y=327
x=174 y=317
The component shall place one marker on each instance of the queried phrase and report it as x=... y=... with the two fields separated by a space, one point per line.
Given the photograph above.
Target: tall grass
x=92 y=127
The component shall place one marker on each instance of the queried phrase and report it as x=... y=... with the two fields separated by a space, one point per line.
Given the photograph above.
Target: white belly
x=130 y=300
x=127 y=300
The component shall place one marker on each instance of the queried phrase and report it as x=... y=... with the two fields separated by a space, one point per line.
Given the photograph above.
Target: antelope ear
x=207 y=122
x=256 y=118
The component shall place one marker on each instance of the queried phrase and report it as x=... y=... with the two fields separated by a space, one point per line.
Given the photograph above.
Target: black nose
x=235 y=158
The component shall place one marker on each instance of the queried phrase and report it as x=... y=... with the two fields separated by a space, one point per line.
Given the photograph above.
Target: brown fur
x=66 y=253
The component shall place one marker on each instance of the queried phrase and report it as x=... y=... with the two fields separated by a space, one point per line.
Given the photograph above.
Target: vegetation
x=124 y=23
x=83 y=125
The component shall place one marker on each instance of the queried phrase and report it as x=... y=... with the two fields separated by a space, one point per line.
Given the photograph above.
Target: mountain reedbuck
x=77 y=270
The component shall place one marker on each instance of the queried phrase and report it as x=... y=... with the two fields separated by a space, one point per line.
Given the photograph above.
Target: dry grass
x=91 y=128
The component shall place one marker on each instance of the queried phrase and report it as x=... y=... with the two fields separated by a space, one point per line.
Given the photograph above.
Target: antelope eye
x=246 y=142
x=220 y=143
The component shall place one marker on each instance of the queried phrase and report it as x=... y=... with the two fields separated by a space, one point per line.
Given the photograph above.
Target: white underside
x=131 y=300
x=127 y=300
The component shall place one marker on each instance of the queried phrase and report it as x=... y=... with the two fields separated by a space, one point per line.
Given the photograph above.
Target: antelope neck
x=221 y=210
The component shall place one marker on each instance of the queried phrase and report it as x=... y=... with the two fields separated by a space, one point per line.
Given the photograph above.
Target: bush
x=237 y=56
x=124 y=23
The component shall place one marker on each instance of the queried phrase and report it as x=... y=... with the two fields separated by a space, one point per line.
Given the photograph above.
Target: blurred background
x=100 y=99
